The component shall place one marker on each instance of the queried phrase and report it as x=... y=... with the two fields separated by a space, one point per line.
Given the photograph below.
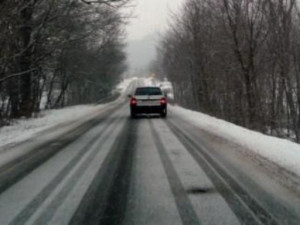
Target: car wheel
x=132 y=115
x=163 y=114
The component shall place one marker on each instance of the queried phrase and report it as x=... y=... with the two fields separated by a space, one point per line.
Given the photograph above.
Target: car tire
x=132 y=115
x=163 y=114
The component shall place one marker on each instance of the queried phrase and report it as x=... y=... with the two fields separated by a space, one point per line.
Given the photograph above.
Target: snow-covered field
x=282 y=152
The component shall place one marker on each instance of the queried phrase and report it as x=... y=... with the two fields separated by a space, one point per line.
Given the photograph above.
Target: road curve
x=116 y=170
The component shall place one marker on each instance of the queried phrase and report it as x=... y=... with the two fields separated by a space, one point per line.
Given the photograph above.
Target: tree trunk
x=26 y=106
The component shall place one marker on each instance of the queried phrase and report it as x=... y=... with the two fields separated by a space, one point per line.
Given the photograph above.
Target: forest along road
x=117 y=170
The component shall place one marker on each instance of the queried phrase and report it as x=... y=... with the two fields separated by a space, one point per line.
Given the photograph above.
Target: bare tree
x=238 y=60
x=38 y=44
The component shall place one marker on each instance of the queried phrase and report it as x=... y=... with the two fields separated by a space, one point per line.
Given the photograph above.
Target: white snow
x=124 y=84
x=150 y=81
x=23 y=129
x=282 y=152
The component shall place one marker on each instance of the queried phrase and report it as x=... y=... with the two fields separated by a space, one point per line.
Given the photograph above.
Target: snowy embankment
x=23 y=129
x=284 y=153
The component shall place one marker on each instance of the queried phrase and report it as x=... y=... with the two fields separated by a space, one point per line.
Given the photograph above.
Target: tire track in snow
x=106 y=199
x=31 y=208
x=115 y=210
x=185 y=208
x=22 y=166
x=49 y=212
x=247 y=209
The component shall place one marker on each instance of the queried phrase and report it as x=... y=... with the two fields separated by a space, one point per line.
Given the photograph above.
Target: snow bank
x=283 y=152
x=23 y=129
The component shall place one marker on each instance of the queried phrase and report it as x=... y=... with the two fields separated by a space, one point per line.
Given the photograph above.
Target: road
x=115 y=170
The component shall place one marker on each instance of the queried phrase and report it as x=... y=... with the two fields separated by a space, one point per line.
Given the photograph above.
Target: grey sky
x=150 y=18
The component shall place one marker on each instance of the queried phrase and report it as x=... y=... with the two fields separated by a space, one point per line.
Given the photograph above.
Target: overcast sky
x=151 y=18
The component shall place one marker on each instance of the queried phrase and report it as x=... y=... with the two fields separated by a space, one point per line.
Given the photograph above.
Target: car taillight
x=163 y=101
x=133 y=101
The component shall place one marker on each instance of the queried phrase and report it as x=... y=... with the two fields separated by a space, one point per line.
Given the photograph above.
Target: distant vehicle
x=148 y=100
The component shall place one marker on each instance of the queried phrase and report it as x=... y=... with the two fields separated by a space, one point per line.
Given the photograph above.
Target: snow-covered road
x=110 y=169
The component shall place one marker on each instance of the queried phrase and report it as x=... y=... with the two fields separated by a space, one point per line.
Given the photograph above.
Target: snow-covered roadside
x=122 y=86
x=282 y=152
x=23 y=129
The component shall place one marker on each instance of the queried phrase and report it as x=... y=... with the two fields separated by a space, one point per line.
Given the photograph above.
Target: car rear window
x=148 y=91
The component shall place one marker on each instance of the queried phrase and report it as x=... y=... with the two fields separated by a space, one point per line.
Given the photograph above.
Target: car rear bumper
x=148 y=109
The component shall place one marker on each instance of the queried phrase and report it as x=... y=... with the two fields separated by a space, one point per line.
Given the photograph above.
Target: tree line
x=58 y=52
x=238 y=60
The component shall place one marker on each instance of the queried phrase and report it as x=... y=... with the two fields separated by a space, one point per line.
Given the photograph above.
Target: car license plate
x=148 y=103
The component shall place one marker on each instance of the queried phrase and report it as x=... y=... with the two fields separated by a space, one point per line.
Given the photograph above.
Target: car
x=148 y=100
